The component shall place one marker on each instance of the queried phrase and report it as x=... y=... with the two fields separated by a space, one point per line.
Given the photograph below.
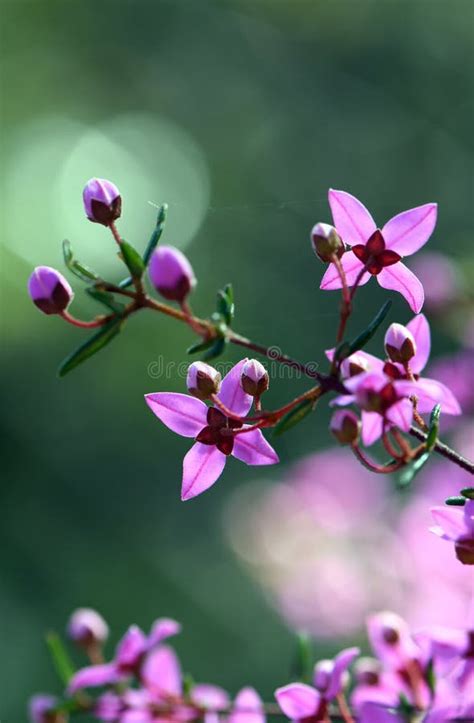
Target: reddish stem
x=374 y=466
x=115 y=233
x=100 y=321
x=344 y=708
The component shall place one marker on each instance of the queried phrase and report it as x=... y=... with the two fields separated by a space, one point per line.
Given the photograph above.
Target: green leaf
x=456 y=501
x=294 y=417
x=409 y=474
x=152 y=243
x=90 y=347
x=342 y=351
x=303 y=662
x=132 y=259
x=225 y=303
x=200 y=346
x=82 y=271
x=216 y=349
x=430 y=676
x=468 y=492
x=61 y=661
x=360 y=341
x=434 y=428
x=105 y=298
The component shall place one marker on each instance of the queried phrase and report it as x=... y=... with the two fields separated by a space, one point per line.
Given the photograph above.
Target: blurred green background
x=240 y=115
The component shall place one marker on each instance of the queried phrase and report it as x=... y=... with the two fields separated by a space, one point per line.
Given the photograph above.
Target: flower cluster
x=429 y=674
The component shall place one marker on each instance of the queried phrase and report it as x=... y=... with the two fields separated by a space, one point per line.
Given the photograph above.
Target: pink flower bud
x=202 y=380
x=254 y=379
x=322 y=674
x=345 y=425
x=102 y=201
x=326 y=242
x=41 y=709
x=171 y=273
x=49 y=290
x=400 y=344
x=354 y=364
x=86 y=627
x=367 y=671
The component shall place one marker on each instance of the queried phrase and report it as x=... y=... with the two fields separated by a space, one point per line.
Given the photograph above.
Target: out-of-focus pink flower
x=215 y=434
x=247 y=707
x=87 y=627
x=299 y=701
x=129 y=655
x=40 y=707
x=380 y=251
x=453 y=652
x=457 y=525
x=440 y=278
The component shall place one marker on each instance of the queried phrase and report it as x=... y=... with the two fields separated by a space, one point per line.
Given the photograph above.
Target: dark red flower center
x=374 y=255
x=219 y=431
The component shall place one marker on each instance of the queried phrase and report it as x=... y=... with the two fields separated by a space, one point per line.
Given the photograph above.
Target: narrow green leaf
x=294 y=417
x=360 y=341
x=82 y=271
x=409 y=474
x=152 y=243
x=90 y=347
x=430 y=676
x=434 y=428
x=302 y=668
x=200 y=346
x=342 y=351
x=216 y=349
x=456 y=501
x=60 y=657
x=132 y=259
x=468 y=493
x=225 y=303
x=105 y=298
x=188 y=684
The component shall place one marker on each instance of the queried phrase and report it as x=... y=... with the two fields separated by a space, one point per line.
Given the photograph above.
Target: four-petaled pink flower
x=457 y=525
x=379 y=250
x=299 y=701
x=214 y=432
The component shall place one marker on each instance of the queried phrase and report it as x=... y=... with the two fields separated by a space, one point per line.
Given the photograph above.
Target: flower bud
x=322 y=674
x=49 y=290
x=102 y=201
x=203 y=380
x=367 y=671
x=353 y=365
x=254 y=379
x=326 y=242
x=86 y=627
x=345 y=425
x=41 y=709
x=171 y=273
x=400 y=344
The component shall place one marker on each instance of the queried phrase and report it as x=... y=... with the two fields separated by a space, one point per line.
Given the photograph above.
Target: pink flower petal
x=131 y=648
x=420 y=329
x=161 y=673
x=181 y=413
x=253 y=448
x=94 y=676
x=372 y=427
x=137 y=716
x=231 y=393
x=298 y=700
x=351 y=218
x=342 y=661
x=401 y=414
x=451 y=520
x=210 y=697
x=374 y=713
x=409 y=231
x=161 y=629
x=400 y=278
x=431 y=392
x=351 y=266
x=202 y=466
x=247 y=708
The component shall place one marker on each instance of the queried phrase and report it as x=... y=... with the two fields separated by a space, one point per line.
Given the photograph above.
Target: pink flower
x=457 y=525
x=383 y=402
x=130 y=652
x=247 y=708
x=380 y=251
x=299 y=701
x=215 y=434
